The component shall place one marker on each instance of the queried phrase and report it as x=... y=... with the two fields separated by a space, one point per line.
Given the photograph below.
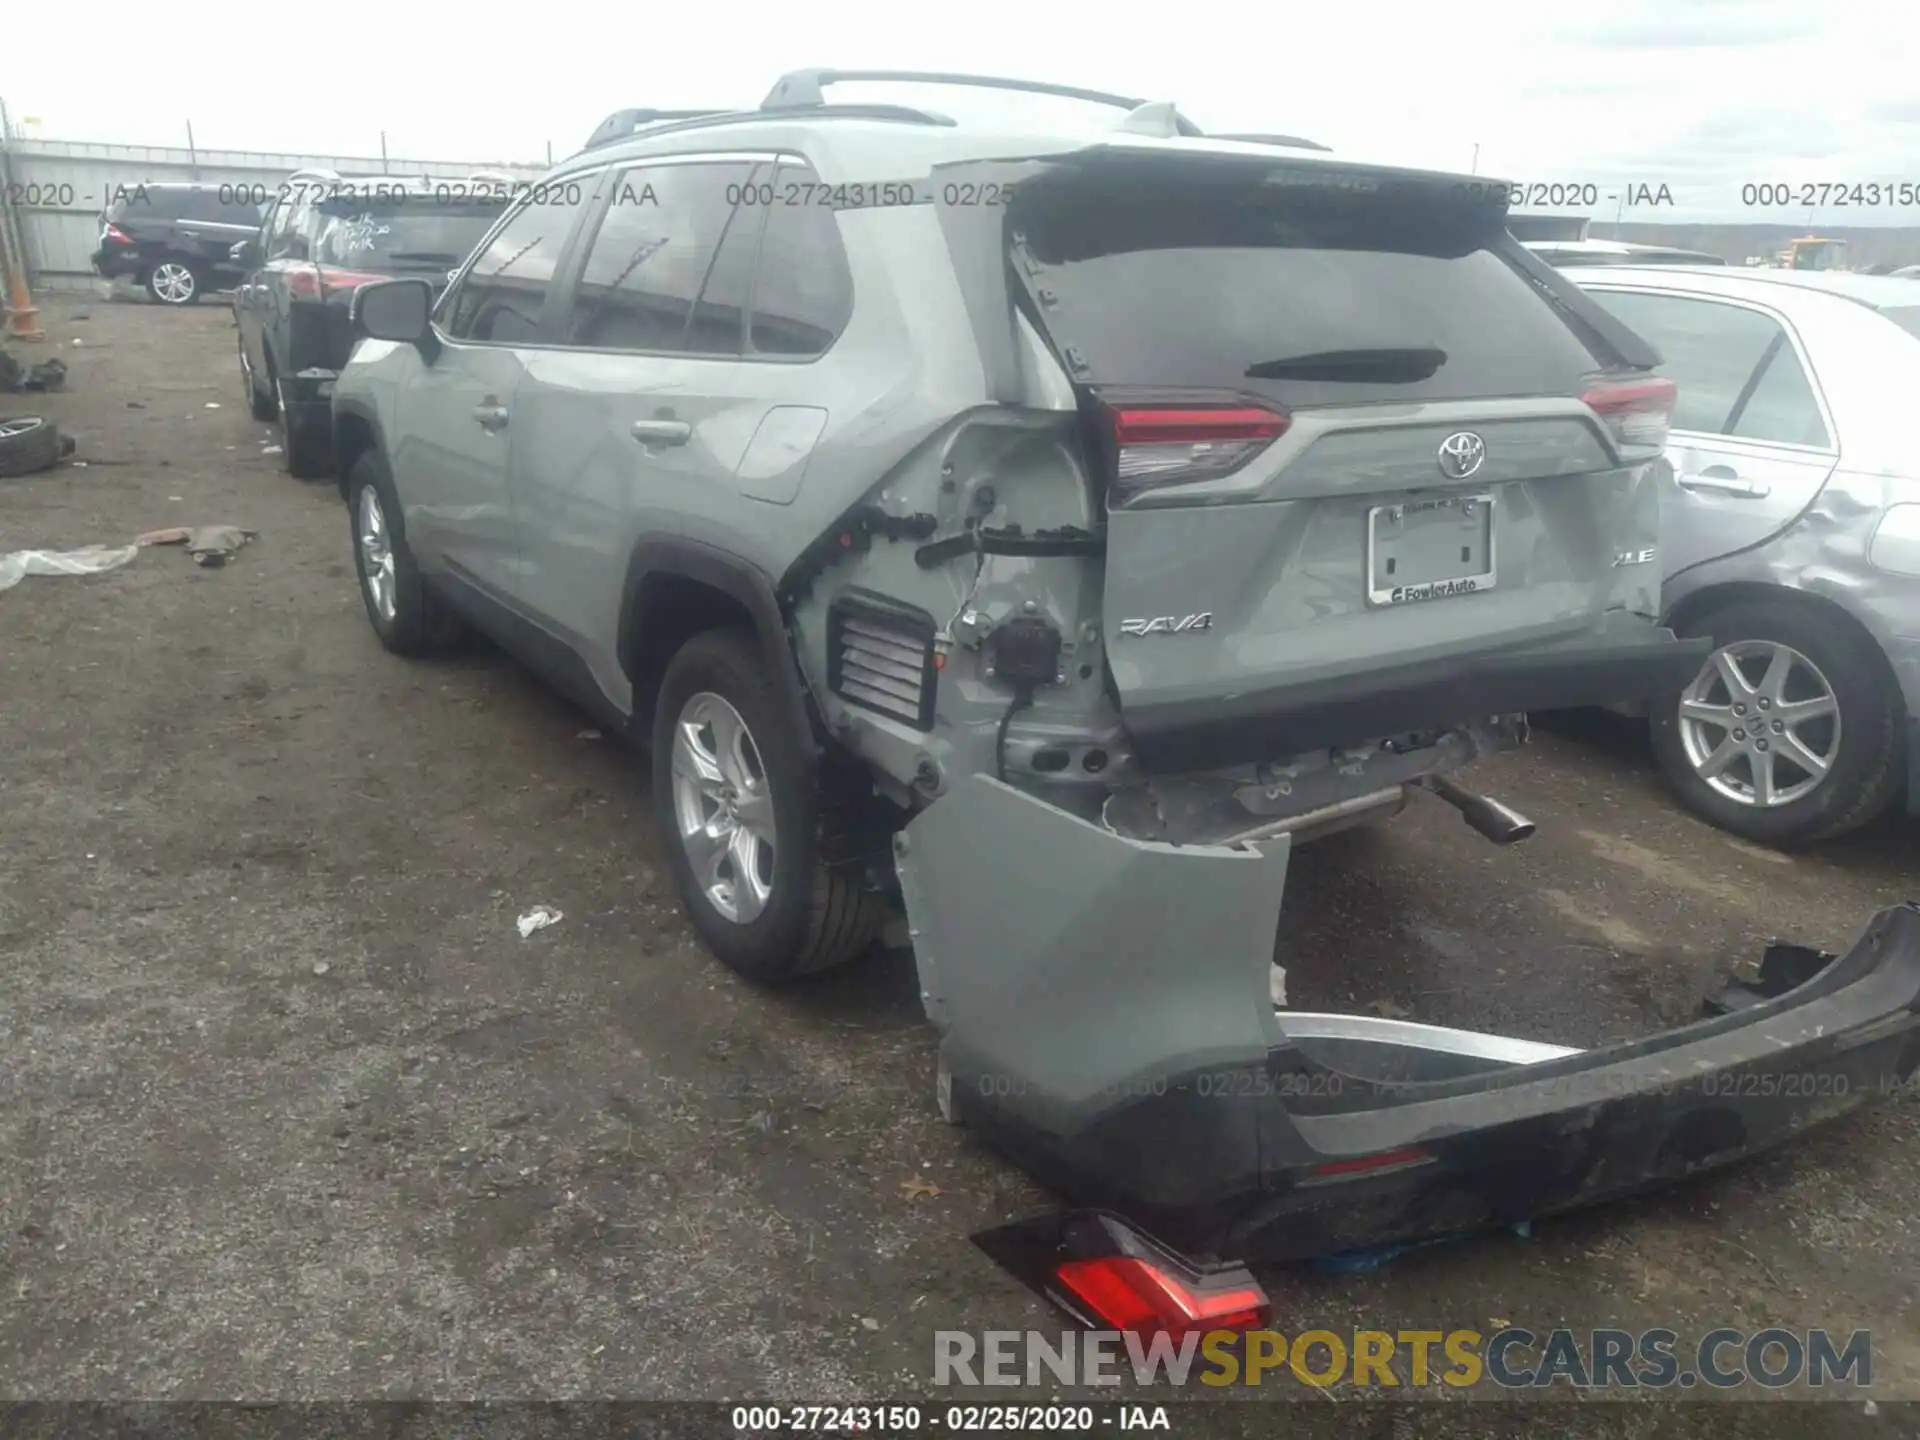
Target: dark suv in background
x=324 y=236
x=174 y=241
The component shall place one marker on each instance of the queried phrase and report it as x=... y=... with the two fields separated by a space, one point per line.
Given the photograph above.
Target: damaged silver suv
x=1056 y=526
x=1207 y=491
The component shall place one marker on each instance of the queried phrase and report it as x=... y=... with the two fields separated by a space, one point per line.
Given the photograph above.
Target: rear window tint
x=1309 y=295
x=417 y=234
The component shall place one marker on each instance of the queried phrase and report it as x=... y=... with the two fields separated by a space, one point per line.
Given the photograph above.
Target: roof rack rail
x=802 y=88
x=1295 y=142
x=623 y=123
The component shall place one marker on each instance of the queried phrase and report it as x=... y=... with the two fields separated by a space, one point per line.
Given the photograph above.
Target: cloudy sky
x=1701 y=95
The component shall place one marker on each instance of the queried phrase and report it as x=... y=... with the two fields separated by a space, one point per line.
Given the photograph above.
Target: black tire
x=818 y=914
x=260 y=400
x=174 y=281
x=1866 y=772
x=28 y=444
x=421 y=622
x=306 y=449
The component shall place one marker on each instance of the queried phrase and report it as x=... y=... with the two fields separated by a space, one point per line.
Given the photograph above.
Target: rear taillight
x=1179 y=445
x=1124 y=1293
x=304 y=283
x=1109 y=1276
x=118 y=236
x=1637 y=412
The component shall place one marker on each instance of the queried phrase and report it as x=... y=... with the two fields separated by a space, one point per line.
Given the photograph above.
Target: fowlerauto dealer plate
x=1430 y=549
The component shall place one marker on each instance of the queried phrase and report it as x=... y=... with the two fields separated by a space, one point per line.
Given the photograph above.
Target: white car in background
x=1790 y=534
x=1565 y=254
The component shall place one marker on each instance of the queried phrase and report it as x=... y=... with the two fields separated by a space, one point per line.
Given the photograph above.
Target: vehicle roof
x=1783 y=288
x=861 y=148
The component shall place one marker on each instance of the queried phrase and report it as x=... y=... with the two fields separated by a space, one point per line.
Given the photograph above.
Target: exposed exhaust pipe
x=1501 y=824
x=1341 y=815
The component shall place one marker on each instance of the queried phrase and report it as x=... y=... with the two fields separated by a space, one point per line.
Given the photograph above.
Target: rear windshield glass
x=1907 y=319
x=400 y=235
x=1308 y=293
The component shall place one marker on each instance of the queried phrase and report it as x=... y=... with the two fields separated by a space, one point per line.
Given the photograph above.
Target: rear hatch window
x=1307 y=288
x=418 y=234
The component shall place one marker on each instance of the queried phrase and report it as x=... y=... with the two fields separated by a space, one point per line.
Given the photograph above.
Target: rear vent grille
x=880 y=656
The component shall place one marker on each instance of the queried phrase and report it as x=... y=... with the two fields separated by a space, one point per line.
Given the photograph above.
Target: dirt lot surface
x=288 y=1109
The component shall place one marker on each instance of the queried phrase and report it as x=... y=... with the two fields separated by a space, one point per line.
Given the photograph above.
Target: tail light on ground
x=1110 y=1276
x=1636 y=412
x=1159 y=445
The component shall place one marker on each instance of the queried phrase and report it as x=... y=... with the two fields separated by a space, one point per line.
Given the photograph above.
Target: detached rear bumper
x=1114 y=1034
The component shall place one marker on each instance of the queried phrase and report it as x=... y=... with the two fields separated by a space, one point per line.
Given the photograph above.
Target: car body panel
x=1813 y=534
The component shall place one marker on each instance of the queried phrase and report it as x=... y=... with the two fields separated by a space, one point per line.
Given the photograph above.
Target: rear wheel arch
x=1704 y=603
x=677 y=589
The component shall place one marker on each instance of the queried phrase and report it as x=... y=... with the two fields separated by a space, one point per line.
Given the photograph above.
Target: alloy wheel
x=724 y=807
x=172 y=282
x=1760 y=723
x=376 y=553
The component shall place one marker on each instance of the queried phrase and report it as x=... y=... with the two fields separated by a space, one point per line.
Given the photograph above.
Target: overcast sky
x=1702 y=95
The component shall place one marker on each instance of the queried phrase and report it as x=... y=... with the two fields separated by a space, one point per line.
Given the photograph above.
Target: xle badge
x=1169 y=624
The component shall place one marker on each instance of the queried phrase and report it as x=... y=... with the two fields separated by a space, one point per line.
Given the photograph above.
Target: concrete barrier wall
x=57 y=189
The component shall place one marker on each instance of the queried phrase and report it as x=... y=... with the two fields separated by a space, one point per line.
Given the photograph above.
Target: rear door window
x=503 y=293
x=1737 y=371
x=1321 y=290
x=669 y=269
x=803 y=292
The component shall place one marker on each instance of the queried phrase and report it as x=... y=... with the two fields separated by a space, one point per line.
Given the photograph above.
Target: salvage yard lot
x=288 y=1109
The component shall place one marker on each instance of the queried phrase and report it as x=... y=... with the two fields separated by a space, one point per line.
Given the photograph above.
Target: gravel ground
x=289 y=1110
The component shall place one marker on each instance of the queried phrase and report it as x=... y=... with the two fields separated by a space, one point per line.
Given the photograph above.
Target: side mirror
x=393 y=310
x=244 y=252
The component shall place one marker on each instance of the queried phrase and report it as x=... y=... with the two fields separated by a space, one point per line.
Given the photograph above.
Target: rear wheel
x=407 y=616
x=174 y=282
x=747 y=825
x=261 y=403
x=1792 y=731
x=308 y=450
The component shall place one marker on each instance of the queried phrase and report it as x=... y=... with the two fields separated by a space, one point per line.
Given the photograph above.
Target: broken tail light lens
x=1637 y=413
x=1159 y=445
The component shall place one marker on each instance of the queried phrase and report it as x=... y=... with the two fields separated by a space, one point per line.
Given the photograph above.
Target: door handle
x=662 y=432
x=491 y=415
x=1722 y=480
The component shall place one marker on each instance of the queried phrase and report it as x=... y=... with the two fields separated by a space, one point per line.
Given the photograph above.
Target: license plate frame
x=1476 y=508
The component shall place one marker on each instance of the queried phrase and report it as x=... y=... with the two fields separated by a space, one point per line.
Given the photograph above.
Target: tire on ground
x=30 y=449
x=819 y=913
x=1868 y=772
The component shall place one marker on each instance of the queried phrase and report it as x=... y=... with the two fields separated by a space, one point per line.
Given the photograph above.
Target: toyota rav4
x=1053 y=527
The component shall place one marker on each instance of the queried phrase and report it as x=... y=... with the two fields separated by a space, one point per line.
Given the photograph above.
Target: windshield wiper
x=1396 y=366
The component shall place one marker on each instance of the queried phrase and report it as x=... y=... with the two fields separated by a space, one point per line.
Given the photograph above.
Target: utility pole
x=383 y=152
x=193 y=155
x=1475 y=170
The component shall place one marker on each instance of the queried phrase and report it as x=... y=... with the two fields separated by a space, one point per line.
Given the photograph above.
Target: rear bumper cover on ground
x=1114 y=1034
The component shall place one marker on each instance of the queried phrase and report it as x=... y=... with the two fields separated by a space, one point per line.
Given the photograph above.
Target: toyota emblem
x=1461 y=454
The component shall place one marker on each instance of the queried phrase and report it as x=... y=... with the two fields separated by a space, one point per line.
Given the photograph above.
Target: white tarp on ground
x=89 y=561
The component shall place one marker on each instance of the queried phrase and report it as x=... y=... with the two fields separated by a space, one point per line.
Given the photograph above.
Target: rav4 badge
x=1169 y=625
